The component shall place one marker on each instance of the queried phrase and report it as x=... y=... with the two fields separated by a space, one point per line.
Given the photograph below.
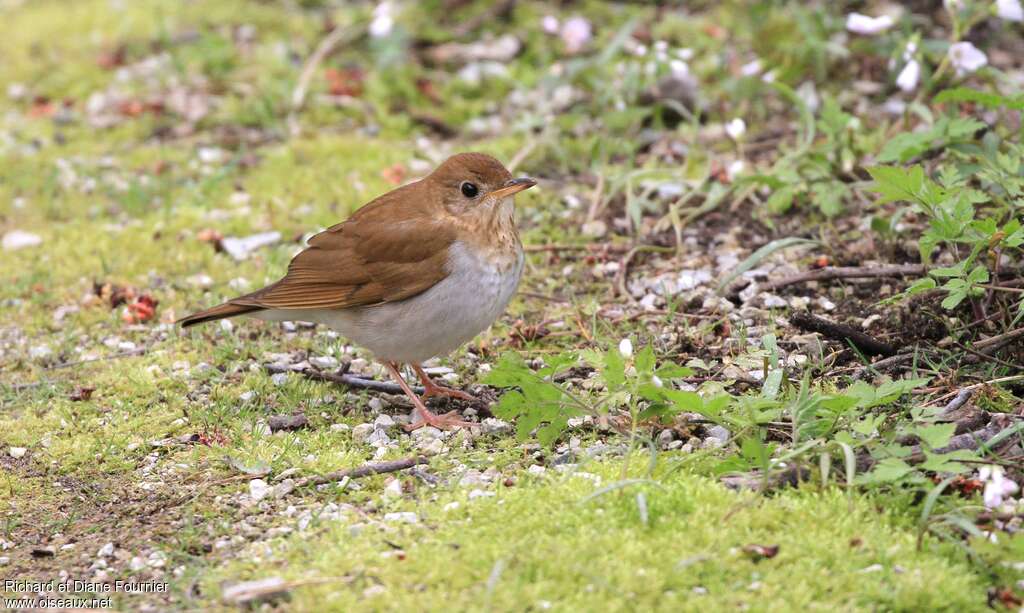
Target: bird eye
x=469 y=190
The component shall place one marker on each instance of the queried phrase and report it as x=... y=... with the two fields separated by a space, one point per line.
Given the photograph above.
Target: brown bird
x=412 y=275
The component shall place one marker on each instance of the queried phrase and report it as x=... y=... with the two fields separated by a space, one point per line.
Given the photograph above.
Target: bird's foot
x=432 y=390
x=446 y=421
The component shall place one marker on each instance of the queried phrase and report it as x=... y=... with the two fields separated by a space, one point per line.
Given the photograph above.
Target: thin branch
x=113 y=356
x=864 y=342
x=989 y=345
x=847 y=272
x=592 y=247
x=1010 y=379
x=366 y=470
x=345 y=379
x=327 y=46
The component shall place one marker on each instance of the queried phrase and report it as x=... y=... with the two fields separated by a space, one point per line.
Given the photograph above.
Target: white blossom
x=626 y=348
x=966 y=58
x=997 y=486
x=736 y=128
x=909 y=76
x=679 y=68
x=576 y=33
x=751 y=68
x=734 y=169
x=383 y=20
x=1010 y=10
x=869 y=26
x=549 y=24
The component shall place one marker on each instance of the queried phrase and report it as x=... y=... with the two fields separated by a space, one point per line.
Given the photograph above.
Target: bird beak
x=513 y=186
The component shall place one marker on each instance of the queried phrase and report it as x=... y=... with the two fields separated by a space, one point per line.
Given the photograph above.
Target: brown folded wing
x=391 y=249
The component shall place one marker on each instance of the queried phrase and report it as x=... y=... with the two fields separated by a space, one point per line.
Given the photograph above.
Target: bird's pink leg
x=432 y=389
x=444 y=422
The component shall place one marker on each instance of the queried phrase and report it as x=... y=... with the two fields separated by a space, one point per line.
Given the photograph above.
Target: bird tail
x=228 y=309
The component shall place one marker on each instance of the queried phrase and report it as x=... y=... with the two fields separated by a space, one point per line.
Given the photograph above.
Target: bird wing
x=390 y=250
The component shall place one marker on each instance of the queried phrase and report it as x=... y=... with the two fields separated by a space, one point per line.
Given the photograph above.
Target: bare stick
x=864 y=342
x=113 y=356
x=989 y=345
x=960 y=400
x=593 y=247
x=346 y=380
x=883 y=364
x=325 y=48
x=522 y=154
x=1010 y=379
x=847 y=272
x=365 y=470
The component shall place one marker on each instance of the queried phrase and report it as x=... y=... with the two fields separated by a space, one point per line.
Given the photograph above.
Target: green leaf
x=921 y=285
x=986 y=99
x=887 y=471
x=829 y=196
x=782 y=199
x=935 y=435
x=685 y=401
x=906 y=145
x=644 y=361
x=510 y=371
x=614 y=372
x=948 y=462
x=670 y=370
x=978 y=275
x=897 y=184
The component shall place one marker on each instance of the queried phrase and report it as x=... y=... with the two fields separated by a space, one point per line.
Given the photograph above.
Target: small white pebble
x=258 y=489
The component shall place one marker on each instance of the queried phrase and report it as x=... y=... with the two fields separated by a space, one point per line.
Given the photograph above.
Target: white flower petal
x=869 y=26
x=751 y=68
x=909 y=76
x=1010 y=10
x=626 y=348
x=576 y=33
x=679 y=68
x=383 y=21
x=993 y=496
x=966 y=58
x=549 y=24
x=736 y=128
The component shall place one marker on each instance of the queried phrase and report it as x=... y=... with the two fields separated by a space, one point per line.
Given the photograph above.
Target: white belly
x=430 y=324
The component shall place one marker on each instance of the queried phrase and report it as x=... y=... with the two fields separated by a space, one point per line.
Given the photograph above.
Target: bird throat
x=496 y=238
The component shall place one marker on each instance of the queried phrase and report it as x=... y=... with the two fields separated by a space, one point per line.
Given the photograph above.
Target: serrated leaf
x=644 y=361
x=935 y=435
x=897 y=184
x=887 y=471
x=921 y=285
x=670 y=370
x=614 y=372
x=685 y=400
x=986 y=99
x=948 y=462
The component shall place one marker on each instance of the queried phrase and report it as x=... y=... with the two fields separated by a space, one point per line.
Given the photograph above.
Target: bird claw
x=449 y=420
x=435 y=390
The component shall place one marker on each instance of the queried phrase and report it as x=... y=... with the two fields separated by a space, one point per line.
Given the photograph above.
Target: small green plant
x=540 y=405
x=973 y=207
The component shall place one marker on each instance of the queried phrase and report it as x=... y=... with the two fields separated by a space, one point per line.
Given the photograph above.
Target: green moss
x=547 y=543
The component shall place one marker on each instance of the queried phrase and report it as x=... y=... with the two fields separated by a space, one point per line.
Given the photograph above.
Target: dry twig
x=366 y=470
x=860 y=340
